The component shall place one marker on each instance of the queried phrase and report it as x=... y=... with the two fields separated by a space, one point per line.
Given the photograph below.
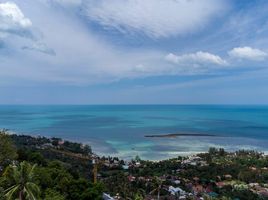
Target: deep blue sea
x=119 y=130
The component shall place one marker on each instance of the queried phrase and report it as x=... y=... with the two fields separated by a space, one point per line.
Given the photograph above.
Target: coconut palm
x=21 y=179
x=158 y=186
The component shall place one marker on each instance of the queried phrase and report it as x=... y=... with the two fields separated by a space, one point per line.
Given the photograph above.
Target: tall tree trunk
x=21 y=196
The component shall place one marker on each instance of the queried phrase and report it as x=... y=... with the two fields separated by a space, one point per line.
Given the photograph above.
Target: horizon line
x=138 y=104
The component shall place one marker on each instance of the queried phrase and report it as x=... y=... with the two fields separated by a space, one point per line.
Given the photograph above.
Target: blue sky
x=133 y=52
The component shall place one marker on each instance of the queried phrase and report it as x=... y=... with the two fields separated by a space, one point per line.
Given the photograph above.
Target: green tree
x=213 y=151
x=137 y=158
x=95 y=192
x=83 y=190
x=158 y=183
x=138 y=196
x=2 y=194
x=7 y=149
x=245 y=195
x=53 y=195
x=21 y=181
x=37 y=157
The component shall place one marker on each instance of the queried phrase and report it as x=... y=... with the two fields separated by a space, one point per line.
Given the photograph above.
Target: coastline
x=159 y=148
x=181 y=169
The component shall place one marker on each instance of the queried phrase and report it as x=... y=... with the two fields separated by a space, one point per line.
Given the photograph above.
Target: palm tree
x=158 y=184
x=21 y=178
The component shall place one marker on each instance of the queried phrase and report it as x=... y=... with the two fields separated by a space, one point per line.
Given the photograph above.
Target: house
x=46 y=146
x=197 y=189
x=131 y=178
x=107 y=197
x=263 y=193
x=141 y=178
x=137 y=164
x=116 y=162
x=209 y=188
x=228 y=176
x=220 y=184
x=106 y=163
x=61 y=142
x=117 y=196
x=196 y=179
x=218 y=178
x=125 y=167
x=183 y=197
x=203 y=163
x=176 y=191
x=253 y=168
x=179 y=170
x=253 y=184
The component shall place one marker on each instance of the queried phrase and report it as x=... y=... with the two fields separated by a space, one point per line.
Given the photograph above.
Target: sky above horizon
x=133 y=51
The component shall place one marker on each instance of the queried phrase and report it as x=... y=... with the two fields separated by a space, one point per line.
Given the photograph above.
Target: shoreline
x=174 y=172
x=128 y=154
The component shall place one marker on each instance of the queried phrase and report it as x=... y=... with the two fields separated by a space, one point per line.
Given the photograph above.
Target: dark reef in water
x=182 y=134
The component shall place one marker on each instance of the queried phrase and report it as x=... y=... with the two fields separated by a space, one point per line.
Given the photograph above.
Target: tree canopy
x=7 y=149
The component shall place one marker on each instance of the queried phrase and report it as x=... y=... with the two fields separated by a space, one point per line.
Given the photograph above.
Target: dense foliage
x=33 y=171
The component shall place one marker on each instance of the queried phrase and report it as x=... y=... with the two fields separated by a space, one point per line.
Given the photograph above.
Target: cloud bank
x=154 y=18
x=72 y=51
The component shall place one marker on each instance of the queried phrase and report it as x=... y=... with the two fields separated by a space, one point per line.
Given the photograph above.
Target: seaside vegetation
x=31 y=168
x=53 y=169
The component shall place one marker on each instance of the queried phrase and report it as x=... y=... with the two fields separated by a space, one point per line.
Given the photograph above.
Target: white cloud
x=186 y=64
x=199 y=58
x=12 y=20
x=248 y=53
x=155 y=18
x=14 y=23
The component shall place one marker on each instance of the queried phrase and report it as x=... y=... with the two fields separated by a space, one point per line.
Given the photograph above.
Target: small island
x=172 y=135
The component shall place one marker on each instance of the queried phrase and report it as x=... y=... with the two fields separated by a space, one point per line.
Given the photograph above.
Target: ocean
x=120 y=130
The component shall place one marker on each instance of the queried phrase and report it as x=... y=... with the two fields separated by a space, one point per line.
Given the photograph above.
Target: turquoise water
x=119 y=129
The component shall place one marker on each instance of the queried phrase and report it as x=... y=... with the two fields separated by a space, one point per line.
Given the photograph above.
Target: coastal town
x=216 y=174
x=177 y=183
